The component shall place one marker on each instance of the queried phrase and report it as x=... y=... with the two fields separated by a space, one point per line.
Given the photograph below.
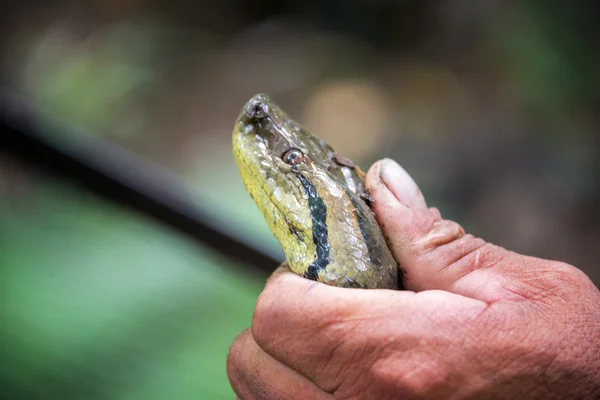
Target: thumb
x=435 y=253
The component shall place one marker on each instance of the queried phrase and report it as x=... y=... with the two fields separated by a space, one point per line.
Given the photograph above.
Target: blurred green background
x=492 y=106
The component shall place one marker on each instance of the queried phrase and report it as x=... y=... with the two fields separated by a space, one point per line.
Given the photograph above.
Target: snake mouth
x=294 y=228
x=262 y=174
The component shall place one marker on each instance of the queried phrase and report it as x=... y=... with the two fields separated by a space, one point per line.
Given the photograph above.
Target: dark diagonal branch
x=117 y=176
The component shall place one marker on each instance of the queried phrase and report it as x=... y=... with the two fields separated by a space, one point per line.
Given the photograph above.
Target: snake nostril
x=257 y=108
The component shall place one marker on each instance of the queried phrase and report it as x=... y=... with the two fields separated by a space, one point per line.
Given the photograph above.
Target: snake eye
x=293 y=157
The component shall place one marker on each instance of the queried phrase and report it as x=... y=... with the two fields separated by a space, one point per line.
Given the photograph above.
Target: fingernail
x=401 y=184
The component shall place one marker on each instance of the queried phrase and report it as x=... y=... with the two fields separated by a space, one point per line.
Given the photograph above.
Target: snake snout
x=256 y=109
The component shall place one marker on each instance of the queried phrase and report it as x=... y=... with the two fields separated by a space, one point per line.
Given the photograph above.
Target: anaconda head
x=272 y=153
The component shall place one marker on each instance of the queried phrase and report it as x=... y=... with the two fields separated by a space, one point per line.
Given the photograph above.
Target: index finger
x=302 y=323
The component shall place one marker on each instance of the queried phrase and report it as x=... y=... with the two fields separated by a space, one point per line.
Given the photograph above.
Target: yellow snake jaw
x=279 y=197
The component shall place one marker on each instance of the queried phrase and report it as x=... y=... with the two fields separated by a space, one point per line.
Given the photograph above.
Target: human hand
x=477 y=321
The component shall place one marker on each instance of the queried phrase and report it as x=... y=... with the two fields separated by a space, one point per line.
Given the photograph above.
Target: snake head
x=270 y=151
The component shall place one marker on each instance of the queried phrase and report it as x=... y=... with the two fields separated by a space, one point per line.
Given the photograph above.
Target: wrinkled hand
x=478 y=322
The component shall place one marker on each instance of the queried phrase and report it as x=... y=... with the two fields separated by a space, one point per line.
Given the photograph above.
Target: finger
x=303 y=323
x=401 y=184
x=254 y=374
x=433 y=253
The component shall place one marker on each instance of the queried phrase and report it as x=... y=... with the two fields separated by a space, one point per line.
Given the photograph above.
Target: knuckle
x=348 y=354
x=277 y=311
x=474 y=253
x=263 y=317
x=560 y=278
x=234 y=359
x=445 y=231
x=438 y=233
x=280 y=303
x=232 y=367
x=421 y=381
x=568 y=275
x=435 y=213
x=414 y=378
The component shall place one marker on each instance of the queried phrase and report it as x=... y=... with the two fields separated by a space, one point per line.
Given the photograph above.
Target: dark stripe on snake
x=318 y=213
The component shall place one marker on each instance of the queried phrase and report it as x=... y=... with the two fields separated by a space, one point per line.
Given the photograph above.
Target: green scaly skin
x=315 y=208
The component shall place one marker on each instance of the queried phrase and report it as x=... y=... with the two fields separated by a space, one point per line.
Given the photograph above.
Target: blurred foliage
x=492 y=106
x=100 y=304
